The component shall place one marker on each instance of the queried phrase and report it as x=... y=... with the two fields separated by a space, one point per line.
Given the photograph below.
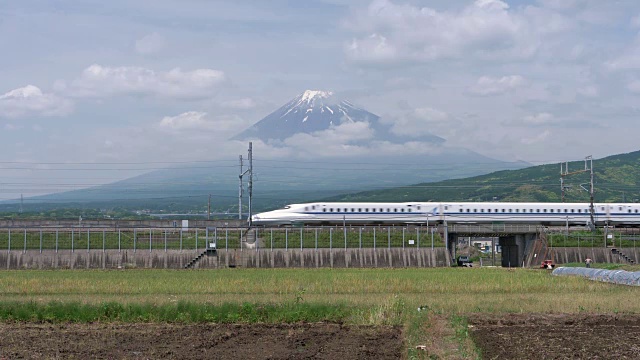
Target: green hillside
x=616 y=180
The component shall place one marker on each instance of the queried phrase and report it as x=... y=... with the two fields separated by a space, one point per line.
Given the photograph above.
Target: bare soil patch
x=557 y=336
x=199 y=341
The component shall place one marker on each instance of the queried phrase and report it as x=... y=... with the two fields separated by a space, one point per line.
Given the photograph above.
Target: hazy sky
x=125 y=84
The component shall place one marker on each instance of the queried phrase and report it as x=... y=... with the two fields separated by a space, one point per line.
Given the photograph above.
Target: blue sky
x=144 y=84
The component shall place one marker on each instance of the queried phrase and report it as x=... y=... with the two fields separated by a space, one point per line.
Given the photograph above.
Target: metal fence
x=150 y=239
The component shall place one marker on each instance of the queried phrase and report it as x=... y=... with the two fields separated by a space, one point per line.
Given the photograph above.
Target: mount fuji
x=308 y=112
x=312 y=111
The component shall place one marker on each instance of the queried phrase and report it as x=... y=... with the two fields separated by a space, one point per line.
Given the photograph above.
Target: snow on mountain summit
x=311 y=95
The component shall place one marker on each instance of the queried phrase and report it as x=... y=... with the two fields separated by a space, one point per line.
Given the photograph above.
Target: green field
x=355 y=296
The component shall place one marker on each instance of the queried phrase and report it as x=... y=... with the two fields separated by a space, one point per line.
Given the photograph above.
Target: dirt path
x=522 y=336
x=202 y=341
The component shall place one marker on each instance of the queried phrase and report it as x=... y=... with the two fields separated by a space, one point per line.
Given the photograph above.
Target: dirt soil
x=201 y=341
x=582 y=336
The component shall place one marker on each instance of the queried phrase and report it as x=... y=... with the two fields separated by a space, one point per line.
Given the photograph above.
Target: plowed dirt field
x=170 y=341
x=526 y=336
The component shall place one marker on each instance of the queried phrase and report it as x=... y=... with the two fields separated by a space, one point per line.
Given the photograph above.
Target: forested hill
x=616 y=179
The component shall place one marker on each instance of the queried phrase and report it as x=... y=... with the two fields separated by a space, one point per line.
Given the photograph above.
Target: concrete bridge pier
x=513 y=248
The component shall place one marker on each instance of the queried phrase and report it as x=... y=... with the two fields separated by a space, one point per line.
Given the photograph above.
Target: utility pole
x=588 y=166
x=250 y=179
x=240 y=190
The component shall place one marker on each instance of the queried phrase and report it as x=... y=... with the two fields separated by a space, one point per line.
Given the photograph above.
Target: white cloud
x=219 y=127
x=486 y=29
x=31 y=101
x=541 y=137
x=539 y=119
x=487 y=85
x=419 y=122
x=239 y=104
x=150 y=44
x=335 y=141
x=102 y=81
x=191 y=120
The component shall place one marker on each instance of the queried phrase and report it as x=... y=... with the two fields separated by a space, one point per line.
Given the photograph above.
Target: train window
x=381 y=210
x=620 y=208
x=468 y=210
x=475 y=210
x=313 y=207
x=579 y=210
x=565 y=210
x=517 y=210
x=636 y=210
x=496 y=210
x=629 y=210
x=530 y=210
x=446 y=208
x=324 y=210
x=331 y=210
x=366 y=210
x=502 y=210
x=359 y=209
x=481 y=210
x=418 y=207
x=602 y=208
x=306 y=208
x=461 y=210
x=488 y=210
x=373 y=210
x=510 y=210
x=550 y=210
x=402 y=210
x=538 y=210
x=572 y=210
x=353 y=210
x=388 y=210
x=545 y=210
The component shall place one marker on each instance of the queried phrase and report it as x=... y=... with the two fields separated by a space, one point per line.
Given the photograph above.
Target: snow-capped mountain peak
x=313 y=110
x=310 y=95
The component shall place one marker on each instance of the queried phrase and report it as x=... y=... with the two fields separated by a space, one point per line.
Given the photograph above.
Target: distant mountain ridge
x=616 y=179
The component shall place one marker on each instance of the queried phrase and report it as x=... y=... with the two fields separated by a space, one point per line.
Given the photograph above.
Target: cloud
x=335 y=141
x=590 y=91
x=538 y=119
x=240 y=104
x=541 y=137
x=486 y=29
x=486 y=85
x=149 y=44
x=195 y=121
x=191 y=120
x=418 y=122
x=104 y=81
x=31 y=101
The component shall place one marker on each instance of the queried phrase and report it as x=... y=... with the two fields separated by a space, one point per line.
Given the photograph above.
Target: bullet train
x=321 y=213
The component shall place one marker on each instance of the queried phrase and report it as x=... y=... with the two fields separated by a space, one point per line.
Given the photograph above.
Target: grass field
x=445 y=296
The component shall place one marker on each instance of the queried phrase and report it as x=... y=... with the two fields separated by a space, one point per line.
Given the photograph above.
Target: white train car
x=452 y=212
